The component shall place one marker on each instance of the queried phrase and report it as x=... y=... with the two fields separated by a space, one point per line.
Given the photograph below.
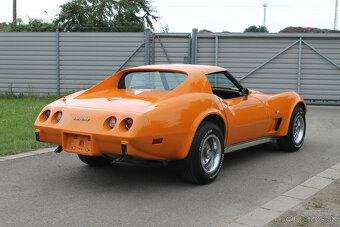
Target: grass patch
x=17 y=116
x=304 y=221
x=317 y=205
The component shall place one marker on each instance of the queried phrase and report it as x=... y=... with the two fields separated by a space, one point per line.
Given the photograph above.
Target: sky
x=213 y=15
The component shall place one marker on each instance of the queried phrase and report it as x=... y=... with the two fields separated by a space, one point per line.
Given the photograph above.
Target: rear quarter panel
x=177 y=119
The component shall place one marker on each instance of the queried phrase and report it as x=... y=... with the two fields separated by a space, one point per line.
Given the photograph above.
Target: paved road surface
x=57 y=189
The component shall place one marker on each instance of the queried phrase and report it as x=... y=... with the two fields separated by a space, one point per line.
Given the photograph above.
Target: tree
x=205 y=31
x=307 y=30
x=3 y=25
x=256 y=29
x=165 y=29
x=106 y=15
x=34 y=25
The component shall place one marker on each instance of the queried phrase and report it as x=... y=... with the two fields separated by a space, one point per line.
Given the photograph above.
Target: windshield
x=152 y=80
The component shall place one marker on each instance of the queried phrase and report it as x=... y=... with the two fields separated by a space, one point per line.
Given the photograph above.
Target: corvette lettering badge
x=81 y=119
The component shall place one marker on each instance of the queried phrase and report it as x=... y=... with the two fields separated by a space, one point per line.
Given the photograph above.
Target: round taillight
x=58 y=115
x=112 y=122
x=47 y=114
x=128 y=123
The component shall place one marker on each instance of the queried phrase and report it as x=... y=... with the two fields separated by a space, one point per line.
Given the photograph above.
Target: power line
x=264 y=13
x=336 y=16
x=273 y=9
x=241 y=6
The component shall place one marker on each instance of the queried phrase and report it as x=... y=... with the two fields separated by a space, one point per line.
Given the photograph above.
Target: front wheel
x=296 y=133
x=94 y=160
x=205 y=158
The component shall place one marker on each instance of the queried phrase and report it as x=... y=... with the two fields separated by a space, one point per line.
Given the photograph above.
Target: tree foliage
x=307 y=30
x=165 y=29
x=94 y=16
x=34 y=25
x=106 y=15
x=256 y=29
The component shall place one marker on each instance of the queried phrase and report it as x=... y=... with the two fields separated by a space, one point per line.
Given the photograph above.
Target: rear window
x=153 y=80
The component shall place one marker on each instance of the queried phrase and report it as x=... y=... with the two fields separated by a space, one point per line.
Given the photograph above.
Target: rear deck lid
x=122 y=100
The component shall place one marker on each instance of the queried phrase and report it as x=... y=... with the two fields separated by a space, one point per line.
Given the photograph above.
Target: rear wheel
x=296 y=133
x=94 y=160
x=205 y=158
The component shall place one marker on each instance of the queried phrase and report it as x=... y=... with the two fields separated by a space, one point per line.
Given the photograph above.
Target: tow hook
x=124 y=151
x=37 y=136
x=59 y=149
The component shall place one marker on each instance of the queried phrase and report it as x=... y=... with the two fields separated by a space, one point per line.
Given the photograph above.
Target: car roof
x=188 y=68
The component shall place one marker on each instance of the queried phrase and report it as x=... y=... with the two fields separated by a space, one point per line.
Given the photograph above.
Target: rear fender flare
x=197 y=122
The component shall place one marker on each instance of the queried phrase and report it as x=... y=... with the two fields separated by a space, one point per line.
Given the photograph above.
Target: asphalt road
x=58 y=190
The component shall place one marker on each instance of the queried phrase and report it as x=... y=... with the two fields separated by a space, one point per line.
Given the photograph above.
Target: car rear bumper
x=101 y=144
x=92 y=136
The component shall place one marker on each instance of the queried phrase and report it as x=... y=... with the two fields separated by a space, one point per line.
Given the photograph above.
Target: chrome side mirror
x=245 y=91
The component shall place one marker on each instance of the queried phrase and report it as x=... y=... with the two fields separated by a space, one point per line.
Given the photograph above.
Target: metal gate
x=56 y=63
x=306 y=63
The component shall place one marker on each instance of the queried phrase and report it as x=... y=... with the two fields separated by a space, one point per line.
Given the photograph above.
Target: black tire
x=288 y=142
x=94 y=160
x=191 y=168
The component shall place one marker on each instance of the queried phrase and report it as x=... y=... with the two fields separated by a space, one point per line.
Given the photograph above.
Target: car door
x=247 y=116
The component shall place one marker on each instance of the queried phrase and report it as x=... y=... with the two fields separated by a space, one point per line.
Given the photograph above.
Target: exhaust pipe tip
x=59 y=149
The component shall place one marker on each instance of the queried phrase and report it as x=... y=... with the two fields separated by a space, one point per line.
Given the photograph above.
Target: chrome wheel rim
x=298 y=129
x=211 y=153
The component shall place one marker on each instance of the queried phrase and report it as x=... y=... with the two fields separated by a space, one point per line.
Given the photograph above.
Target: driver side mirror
x=245 y=91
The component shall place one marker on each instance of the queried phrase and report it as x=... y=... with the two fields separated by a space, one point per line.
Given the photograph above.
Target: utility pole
x=336 y=16
x=264 y=13
x=14 y=11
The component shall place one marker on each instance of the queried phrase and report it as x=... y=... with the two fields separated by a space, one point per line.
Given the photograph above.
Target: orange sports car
x=187 y=114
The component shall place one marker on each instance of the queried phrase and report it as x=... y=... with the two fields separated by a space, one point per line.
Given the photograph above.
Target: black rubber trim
x=37 y=136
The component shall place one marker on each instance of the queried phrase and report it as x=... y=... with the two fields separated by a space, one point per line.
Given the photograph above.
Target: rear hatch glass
x=152 y=80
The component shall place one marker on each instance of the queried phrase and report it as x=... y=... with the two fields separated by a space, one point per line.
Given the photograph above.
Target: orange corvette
x=189 y=114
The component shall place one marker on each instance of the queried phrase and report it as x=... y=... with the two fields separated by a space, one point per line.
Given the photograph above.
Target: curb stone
x=26 y=154
x=292 y=198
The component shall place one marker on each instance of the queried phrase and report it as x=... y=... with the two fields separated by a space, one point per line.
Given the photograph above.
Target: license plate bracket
x=76 y=143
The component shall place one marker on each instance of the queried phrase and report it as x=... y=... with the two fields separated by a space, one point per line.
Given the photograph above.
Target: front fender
x=286 y=103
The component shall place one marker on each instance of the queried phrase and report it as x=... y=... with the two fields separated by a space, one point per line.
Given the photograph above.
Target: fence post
x=147 y=46
x=194 y=46
x=58 y=60
x=153 y=49
x=216 y=50
x=299 y=65
x=187 y=59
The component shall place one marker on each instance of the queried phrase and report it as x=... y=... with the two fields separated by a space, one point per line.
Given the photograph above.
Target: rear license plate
x=81 y=144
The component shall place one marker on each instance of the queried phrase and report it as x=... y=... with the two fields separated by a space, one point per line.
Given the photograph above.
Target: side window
x=220 y=80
